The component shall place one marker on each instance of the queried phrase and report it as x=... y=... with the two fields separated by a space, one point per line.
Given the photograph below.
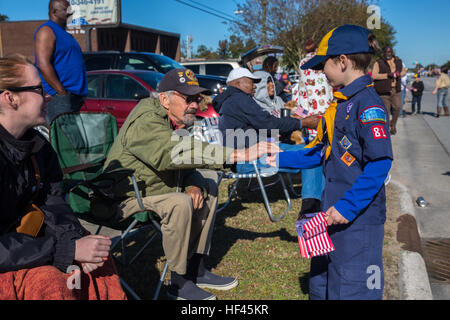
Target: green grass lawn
x=263 y=255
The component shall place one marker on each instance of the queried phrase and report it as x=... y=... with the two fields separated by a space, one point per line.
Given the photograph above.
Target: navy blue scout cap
x=346 y=39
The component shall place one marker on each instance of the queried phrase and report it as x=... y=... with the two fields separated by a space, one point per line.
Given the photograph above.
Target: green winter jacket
x=163 y=161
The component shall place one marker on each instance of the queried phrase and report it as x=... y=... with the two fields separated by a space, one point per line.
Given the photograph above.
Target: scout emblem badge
x=348 y=159
x=373 y=114
x=345 y=143
x=349 y=108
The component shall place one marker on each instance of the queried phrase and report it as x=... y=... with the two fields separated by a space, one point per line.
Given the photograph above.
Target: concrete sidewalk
x=422 y=164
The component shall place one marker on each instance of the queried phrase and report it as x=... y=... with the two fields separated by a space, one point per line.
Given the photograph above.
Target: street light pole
x=264 y=21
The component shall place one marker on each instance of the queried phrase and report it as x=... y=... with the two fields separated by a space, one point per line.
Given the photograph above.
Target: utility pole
x=189 y=40
x=264 y=21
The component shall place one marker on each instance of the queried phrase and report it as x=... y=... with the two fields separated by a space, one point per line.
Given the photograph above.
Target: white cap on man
x=241 y=73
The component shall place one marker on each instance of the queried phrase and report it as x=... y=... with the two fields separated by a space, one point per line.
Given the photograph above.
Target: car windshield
x=213 y=85
x=165 y=64
x=152 y=78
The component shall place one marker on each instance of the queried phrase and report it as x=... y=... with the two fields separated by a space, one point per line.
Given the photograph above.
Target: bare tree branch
x=290 y=23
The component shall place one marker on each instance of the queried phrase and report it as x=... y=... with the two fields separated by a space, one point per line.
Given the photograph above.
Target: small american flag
x=313 y=238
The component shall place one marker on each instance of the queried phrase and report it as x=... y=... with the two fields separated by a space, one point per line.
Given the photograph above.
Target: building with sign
x=18 y=37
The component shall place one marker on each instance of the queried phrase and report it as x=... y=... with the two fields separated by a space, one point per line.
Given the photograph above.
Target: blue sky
x=423 y=27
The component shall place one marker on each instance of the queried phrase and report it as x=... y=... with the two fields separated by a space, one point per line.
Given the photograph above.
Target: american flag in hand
x=313 y=238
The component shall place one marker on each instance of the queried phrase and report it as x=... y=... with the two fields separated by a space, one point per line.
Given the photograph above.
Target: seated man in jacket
x=166 y=168
x=239 y=111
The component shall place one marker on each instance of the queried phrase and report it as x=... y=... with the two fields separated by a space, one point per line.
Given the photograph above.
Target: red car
x=119 y=91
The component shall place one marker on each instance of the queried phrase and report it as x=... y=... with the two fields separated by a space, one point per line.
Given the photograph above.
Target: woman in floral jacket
x=313 y=93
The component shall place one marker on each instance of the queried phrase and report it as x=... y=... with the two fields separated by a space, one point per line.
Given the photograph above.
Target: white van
x=211 y=67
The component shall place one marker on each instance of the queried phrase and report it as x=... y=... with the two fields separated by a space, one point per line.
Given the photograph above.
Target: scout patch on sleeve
x=373 y=114
x=345 y=143
x=379 y=132
x=348 y=159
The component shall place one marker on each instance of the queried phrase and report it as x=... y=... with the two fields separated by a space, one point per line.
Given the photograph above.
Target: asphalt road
x=422 y=164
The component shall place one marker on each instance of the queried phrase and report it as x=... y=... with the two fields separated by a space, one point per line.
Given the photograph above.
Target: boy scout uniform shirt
x=361 y=135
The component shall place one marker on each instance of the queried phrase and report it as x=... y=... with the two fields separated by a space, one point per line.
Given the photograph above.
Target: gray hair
x=168 y=93
x=154 y=94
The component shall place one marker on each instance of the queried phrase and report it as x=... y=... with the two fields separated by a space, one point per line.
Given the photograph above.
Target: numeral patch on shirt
x=379 y=132
x=348 y=159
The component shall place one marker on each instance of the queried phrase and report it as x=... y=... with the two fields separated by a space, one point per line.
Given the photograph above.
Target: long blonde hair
x=11 y=71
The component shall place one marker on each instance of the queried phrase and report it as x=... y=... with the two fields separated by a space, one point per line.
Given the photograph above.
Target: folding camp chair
x=82 y=141
x=44 y=131
x=209 y=132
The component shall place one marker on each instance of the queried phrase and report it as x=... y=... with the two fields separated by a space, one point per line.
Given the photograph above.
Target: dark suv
x=104 y=60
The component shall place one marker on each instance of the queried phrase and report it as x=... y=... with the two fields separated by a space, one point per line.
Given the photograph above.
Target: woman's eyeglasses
x=38 y=89
x=190 y=99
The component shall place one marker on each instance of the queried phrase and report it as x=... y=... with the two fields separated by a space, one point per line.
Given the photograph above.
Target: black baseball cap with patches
x=183 y=81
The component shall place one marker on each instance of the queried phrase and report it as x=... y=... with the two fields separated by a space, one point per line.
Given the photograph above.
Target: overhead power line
x=207 y=11
x=214 y=10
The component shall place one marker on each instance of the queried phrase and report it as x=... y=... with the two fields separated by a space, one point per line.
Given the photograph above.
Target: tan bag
x=33 y=218
x=32 y=221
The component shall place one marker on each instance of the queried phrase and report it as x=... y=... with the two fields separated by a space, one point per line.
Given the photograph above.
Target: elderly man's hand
x=310 y=122
x=254 y=152
x=197 y=197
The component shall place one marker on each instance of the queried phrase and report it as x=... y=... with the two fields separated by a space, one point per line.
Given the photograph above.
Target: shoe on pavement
x=189 y=291
x=393 y=131
x=212 y=281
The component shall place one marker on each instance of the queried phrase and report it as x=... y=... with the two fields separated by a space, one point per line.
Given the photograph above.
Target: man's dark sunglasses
x=39 y=88
x=190 y=99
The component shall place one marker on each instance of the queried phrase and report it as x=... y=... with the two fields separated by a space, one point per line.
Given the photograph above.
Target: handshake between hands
x=272 y=160
x=254 y=152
